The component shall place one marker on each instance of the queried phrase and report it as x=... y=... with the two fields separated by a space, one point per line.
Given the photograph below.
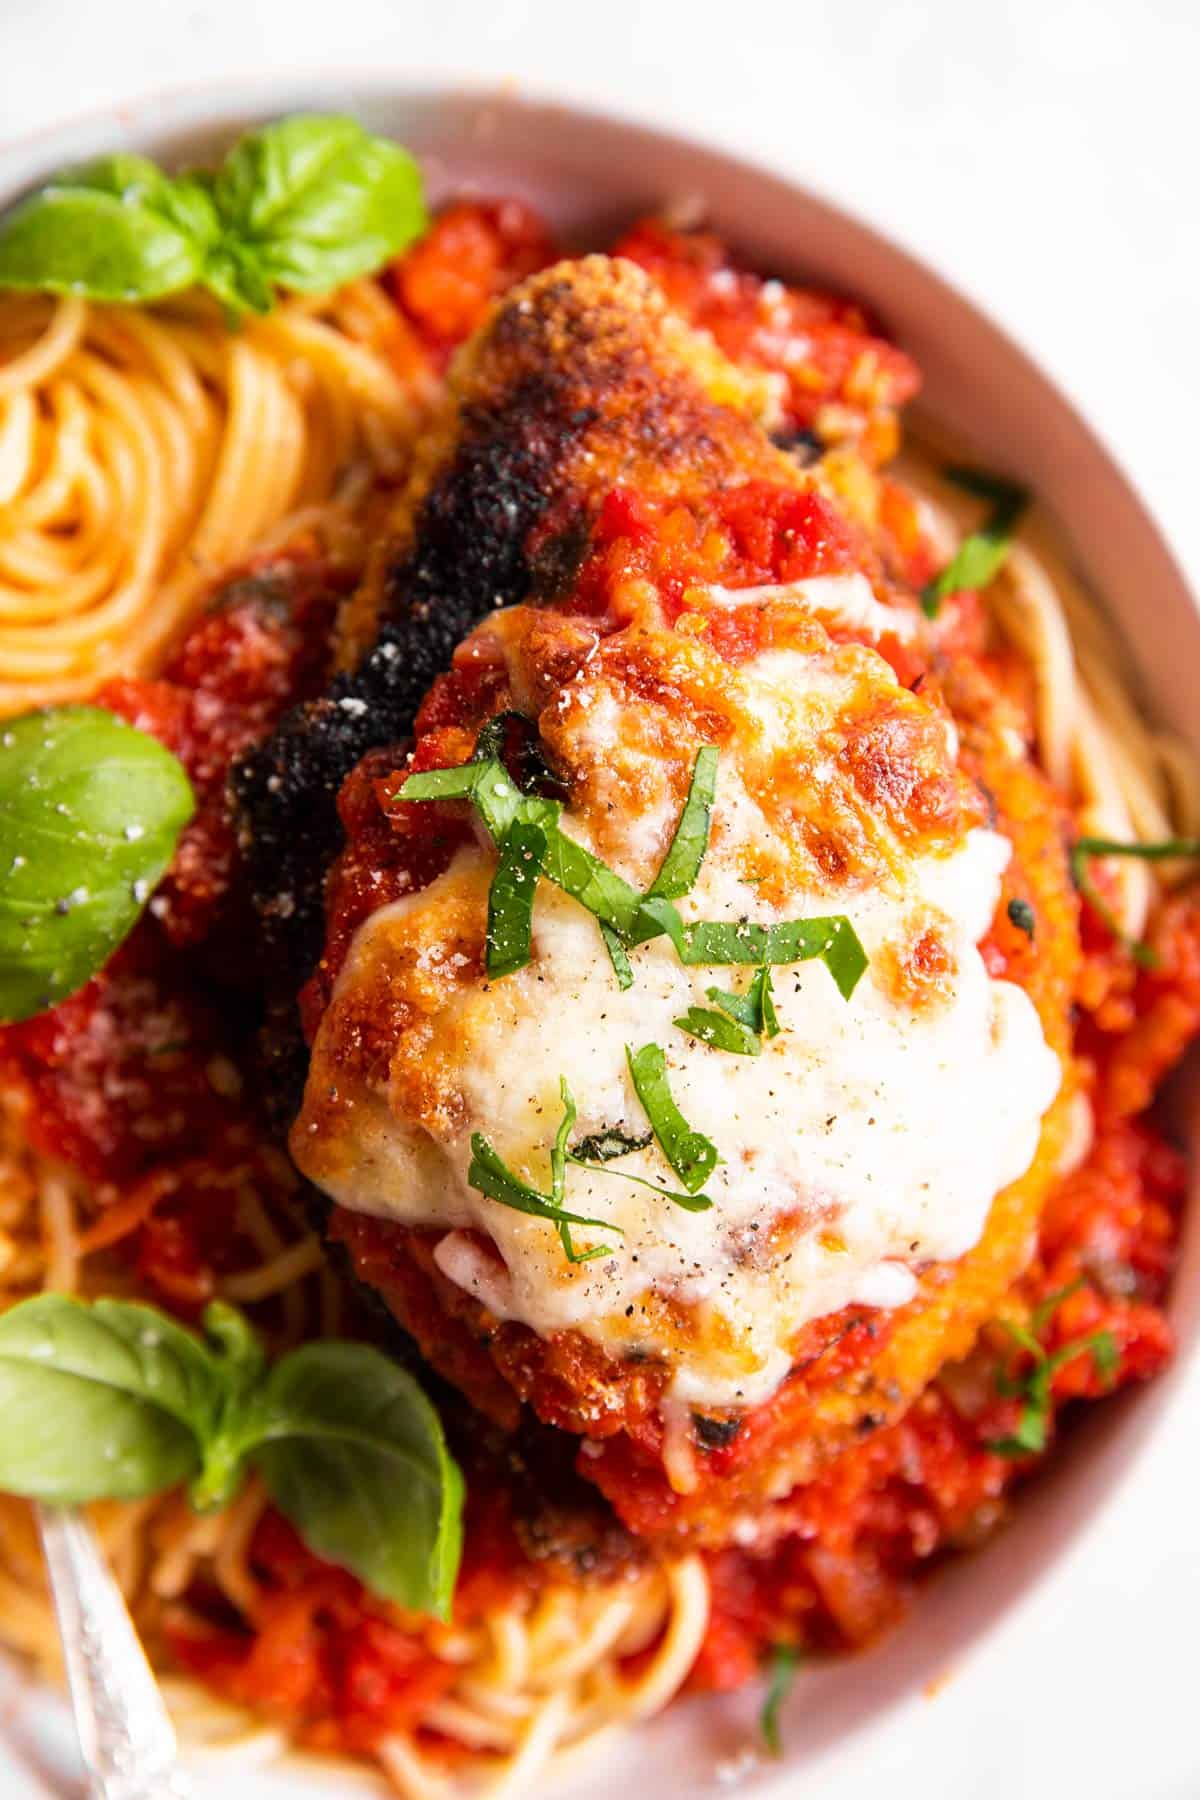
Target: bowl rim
x=213 y=105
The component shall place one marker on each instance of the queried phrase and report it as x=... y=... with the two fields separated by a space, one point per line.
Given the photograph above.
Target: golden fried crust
x=581 y=379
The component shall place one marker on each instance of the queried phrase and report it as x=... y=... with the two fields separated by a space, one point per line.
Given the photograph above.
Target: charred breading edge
x=580 y=379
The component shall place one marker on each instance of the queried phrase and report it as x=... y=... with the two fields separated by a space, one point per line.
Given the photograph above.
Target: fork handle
x=125 y=1733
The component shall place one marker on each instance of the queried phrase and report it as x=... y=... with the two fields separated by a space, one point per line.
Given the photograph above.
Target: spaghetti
x=144 y=453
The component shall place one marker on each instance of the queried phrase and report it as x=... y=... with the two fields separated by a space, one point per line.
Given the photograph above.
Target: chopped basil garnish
x=492 y=1177
x=710 y=943
x=1160 y=851
x=1033 y=1389
x=981 y=555
x=1021 y=914
x=685 y=853
x=722 y=1032
x=689 y=1202
x=626 y=917
x=692 y=1156
x=751 y=1018
x=606 y=1146
x=618 y=956
x=782 y=1667
x=510 y=900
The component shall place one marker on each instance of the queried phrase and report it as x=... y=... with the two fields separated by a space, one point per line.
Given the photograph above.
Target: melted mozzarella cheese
x=868 y=1138
x=847 y=600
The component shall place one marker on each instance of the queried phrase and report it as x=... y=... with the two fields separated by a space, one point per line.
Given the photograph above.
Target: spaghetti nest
x=143 y=451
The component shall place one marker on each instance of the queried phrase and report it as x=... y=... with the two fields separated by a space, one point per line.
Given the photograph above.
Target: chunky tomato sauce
x=140 y=1082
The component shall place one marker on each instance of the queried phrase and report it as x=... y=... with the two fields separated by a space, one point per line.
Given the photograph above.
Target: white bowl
x=589 y=172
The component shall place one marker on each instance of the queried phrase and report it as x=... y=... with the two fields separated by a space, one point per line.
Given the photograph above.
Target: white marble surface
x=1045 y=154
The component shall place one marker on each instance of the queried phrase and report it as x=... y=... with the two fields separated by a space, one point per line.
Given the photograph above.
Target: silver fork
x=125 y=1734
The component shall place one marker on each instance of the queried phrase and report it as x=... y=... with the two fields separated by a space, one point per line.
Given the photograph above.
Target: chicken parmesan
x=586 y=964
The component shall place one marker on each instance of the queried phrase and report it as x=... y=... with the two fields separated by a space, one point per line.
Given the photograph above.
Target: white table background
x=1045 y=155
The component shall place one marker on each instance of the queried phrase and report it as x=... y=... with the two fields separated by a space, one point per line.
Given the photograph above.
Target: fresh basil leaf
x=982 y=554
x=607 y=1145
x=353 y=1453
x=784 y=1662
x=90 y=813
x=711 y=943
x=314 y=201
x=510 y=899
x=685 y=853
x=114 y=229
x=101 y=1402
x=692 y=1156
x=721 y=1032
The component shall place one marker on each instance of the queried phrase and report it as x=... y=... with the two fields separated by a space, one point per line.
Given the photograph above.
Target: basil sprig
x=90 y=813
x=982 y=553
x=627 y=918
x=304 y=204
x=1033 y=1388
x=114 y=1400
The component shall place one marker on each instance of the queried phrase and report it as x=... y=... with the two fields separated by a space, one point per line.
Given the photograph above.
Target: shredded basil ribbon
x=1161 y=851
x=510 y=900
x=784 y=1663
x=981 y=555
x=627 y=918
x=491 y=1176
x=692 y=1155
x=1034 y=1388
x=743 y=1021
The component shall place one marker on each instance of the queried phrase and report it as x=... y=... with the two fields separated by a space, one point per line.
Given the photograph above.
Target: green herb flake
x=692 y=1155
x=982 y=554
x=720 y=1031
x=606 y=1146
x=783 y=1665
x=1022 y=916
